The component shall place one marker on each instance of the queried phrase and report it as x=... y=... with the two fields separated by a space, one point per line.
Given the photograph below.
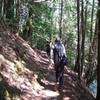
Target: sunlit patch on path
x=48 y=93
x=46 y=82
x=66 y=98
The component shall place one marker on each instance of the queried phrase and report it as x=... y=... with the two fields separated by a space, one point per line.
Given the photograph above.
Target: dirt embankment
x=21 y=67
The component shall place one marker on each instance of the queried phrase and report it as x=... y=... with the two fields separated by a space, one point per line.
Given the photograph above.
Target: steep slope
x=23 y=69
x=19 y=64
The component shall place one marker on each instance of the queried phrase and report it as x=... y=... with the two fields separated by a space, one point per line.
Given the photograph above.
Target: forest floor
x=25 y=75
x=72 y=88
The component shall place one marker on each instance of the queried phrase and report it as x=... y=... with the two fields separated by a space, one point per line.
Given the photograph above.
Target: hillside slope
x=24 y=74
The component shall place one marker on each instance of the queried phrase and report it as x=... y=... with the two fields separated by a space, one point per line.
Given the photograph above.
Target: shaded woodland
x=25 y=28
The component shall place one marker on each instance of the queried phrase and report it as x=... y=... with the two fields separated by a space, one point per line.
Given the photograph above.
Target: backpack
x=64 y=60
x=58 y=53
x=59 y=56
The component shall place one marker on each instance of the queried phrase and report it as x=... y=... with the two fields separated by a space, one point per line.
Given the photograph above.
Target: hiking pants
x=59 y=74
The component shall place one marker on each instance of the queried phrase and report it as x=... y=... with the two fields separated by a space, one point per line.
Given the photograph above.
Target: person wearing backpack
x=59 y=58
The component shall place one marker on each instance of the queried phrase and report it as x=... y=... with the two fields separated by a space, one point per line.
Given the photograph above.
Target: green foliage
x=42 y=23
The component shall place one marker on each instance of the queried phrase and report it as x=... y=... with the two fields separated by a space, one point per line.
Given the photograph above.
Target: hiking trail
x=25 y=75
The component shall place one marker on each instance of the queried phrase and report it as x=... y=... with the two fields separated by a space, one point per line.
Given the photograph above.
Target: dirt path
x=22 y=77
x=72 y=90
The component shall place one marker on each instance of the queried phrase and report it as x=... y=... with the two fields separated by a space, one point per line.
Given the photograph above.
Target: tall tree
x=98 y=66
x=92 y=41
x=2 y=12
x=83 y=35
x=91 y=36
x=60 y=24
x=91 y=30
x=14 y=8
x=90 y=73
x=77 y=64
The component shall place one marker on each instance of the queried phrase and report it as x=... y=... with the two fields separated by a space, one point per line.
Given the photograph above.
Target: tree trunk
x=89 y=74
x=61 y=14
x=14 y=8
x=2 y=12
x=77 y=64
x=4 y=15
x=91 y=30
x=83 y=36
x=17 y=8
x=17 y=13
x=91 y=36
x=84 y=31
x=90 y=54
x=85 y=21
x=98 y=66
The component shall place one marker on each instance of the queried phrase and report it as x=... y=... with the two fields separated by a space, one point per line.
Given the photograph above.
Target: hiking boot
x=60 y=88
x=56 y=86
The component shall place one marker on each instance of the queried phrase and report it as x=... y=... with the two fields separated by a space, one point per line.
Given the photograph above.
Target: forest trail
x=25 y=74
x=72 y=89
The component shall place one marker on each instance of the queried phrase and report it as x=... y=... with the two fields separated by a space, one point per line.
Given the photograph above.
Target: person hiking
x=59 y=58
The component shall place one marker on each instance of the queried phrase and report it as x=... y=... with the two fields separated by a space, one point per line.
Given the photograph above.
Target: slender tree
x=90 y=74
x=91 y=30
x=2 y=12
x=61 y=14
x=77 y=64
x=91 y=46
x=85 y=21
x=98 y=66
x=14 y=8
x=91 y=36
x=83 y=35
